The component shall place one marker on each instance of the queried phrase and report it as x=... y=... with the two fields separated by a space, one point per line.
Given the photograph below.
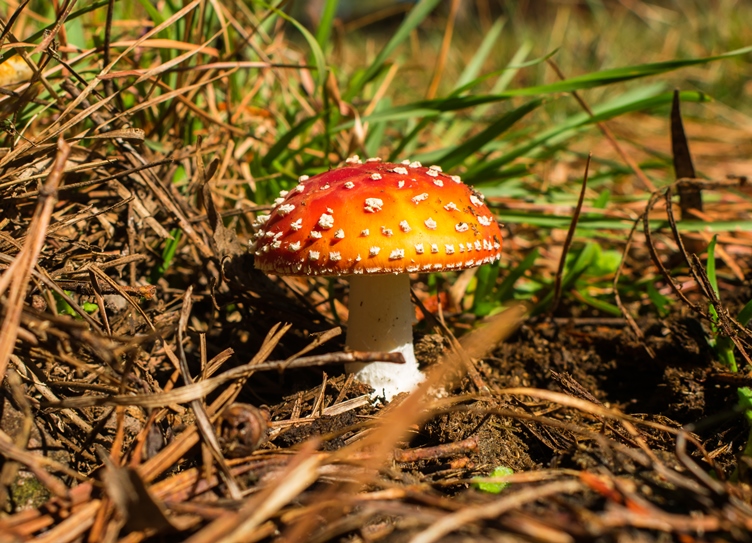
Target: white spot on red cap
x=375 y=176
x=432 y=173
x=430 y=223
x=449 y=249
x=400 y=183
x=313 y=255
x=438 y=182
x=299 y=188
x=451 y=206
x=415 y=164
x=419 y=248
x=365 y=232
x=261 y=219
x=404 y=226
x=326 y=221
x=372 y=205
x=355 y=159
x=285 y=209
x=349 y=184
x=334 y=256
x=400 y=170
x=315 y=234
x=373 y=159
x=406 y=162
x=283 y=193
x=434 y=248
x=295 y=246
x=325 y=186
x=419 y=198
x=455 y=178
x=373 y=251
x=396 y=254
x=278 y=201
x=462 y=227
x=477 y=245
x=435 y=168
x=386 y=231
x=475 y=200
x=296 y=225
x=303 y=178
x=485 y=221
x=276 y=244
x=339 y=234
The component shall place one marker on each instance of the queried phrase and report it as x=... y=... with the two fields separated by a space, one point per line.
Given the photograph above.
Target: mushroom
x=377 y=222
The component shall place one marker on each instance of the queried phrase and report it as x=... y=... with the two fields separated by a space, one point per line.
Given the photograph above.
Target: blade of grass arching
x=416 y=16
x=318 y=54
x=456 y=155
x=458 y=129
x=483 y=171
x=456 y=103
x=324 y=31
x=587 y=81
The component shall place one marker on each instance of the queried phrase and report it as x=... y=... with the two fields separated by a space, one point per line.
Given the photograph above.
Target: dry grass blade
x=17 y=276
x=455 y=521
x=569 y=238
x=301 y=473
x=203 y=423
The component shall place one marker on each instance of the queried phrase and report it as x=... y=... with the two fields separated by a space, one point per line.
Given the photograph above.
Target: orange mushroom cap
x=377 y=217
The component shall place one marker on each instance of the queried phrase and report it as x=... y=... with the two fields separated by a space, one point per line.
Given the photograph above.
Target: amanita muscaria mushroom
x=377 y=222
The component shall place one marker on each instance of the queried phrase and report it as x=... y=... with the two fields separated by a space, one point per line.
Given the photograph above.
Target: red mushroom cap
x=377 y=217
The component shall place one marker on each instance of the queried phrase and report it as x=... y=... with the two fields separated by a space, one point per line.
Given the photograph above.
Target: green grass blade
x=484 y=171
x=318 y=54
x=473 y=67
x=745 y=315
x=324 y=31
x=600 y=305
x=710 y=268
x=284 y=142
x=456 y=155
x=483 y=301
x=152 y=11
x=416 y=16
x=505 y=289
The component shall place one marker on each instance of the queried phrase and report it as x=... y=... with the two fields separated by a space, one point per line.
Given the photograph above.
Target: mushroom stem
x=381 y=318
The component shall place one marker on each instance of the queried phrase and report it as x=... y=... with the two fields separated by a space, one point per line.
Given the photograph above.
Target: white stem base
x=381 y=319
